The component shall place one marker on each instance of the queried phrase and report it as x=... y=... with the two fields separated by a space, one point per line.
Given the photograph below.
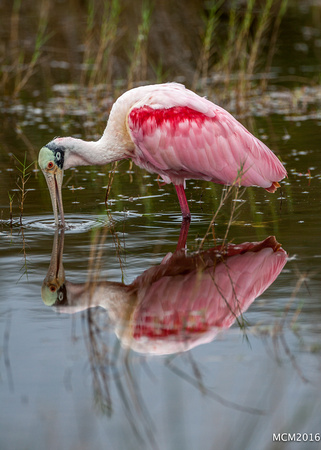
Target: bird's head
x=51 y=161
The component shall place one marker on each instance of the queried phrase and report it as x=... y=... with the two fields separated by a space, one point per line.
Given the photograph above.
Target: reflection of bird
x=169 y=130
x=181 y=303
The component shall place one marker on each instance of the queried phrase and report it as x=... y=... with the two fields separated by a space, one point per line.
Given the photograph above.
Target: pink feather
x=181 y=143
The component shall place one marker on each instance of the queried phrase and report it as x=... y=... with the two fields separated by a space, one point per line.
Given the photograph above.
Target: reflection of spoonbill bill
x=168 y=130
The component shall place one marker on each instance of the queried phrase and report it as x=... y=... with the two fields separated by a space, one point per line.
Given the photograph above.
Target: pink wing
x=181 y=142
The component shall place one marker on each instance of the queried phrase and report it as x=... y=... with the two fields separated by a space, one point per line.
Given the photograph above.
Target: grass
x=283 y=4
x=116 y=46
x=24 y=175
x=23 y=178
x=100 y=39
x=10 y=207
x=139 y=58
x=227 y=193
x=208 y=49
x=18 y=66
x=234 y=59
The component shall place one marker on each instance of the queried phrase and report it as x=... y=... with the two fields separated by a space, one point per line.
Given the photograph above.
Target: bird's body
x=169 y=130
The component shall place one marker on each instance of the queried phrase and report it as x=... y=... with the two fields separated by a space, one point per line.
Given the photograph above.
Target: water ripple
x=75 y=224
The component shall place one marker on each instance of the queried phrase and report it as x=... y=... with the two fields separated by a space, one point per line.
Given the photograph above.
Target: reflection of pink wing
x=189 y=307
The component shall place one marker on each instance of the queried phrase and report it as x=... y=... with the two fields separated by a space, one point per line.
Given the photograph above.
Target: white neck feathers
x=89 y=153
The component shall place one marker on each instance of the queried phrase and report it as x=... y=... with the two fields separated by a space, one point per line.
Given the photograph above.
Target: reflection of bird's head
x=53 y=294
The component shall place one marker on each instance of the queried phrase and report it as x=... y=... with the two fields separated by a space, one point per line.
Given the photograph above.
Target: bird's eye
x=58 y=156
x=52 y=288
x=50 y=165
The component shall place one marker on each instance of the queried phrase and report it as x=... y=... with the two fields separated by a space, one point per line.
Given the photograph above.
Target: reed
x=233 y=192
x=100 y=40
x=232 y=37
x=208 y=46
x=10 y=207
x=10 y=58
x=263 y=23
x=17 y=65
x=139 y=60
x=231 y=49
x=41 y=38
x=23 y=178
x=282 y=7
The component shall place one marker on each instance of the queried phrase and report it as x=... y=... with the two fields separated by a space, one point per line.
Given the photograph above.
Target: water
x=67 y=376
x=137 y=371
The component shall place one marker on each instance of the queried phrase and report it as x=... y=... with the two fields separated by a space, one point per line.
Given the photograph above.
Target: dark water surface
x=142 y=370
x=66 y=379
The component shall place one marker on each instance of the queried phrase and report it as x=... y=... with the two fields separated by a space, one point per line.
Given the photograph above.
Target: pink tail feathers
x=183 y=202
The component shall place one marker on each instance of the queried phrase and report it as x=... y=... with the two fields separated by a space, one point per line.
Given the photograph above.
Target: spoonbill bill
x=169 y=130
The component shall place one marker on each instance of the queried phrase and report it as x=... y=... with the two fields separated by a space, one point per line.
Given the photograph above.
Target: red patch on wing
x=147 y=117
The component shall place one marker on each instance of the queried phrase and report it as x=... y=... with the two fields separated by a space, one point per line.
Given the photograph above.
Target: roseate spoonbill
x=169 y=130
x=183 y=302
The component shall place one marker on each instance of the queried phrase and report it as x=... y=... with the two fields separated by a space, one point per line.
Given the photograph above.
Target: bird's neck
x=114 y=145
x=88 y=153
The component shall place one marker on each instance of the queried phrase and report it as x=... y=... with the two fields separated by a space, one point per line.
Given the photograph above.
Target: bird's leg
x=181 y=244
x=183 y=202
